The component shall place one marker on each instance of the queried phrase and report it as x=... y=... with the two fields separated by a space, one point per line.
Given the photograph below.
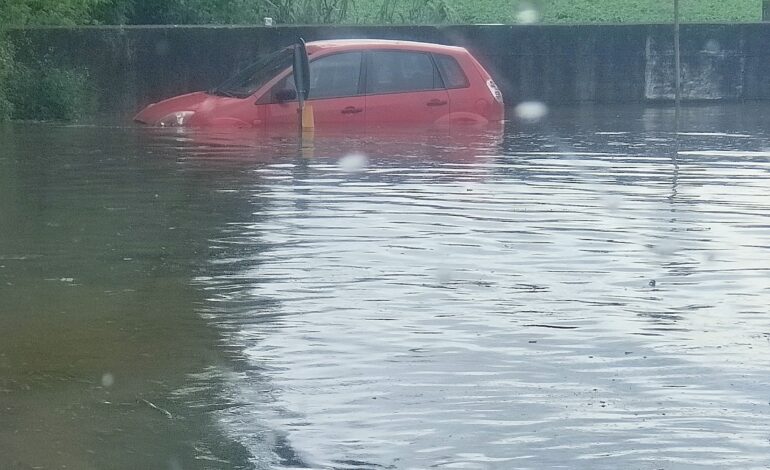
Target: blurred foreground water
x=587 y=291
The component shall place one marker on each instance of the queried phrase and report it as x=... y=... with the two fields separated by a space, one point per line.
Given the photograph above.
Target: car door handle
x=352 y=110
x=438 y=102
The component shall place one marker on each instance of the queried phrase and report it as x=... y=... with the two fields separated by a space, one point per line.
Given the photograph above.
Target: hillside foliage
x=71 y=12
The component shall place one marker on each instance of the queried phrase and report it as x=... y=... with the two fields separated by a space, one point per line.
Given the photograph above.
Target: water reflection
x=571 y=292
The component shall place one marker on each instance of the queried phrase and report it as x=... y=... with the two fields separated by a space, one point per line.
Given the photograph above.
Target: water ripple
x=588 y=292
x=521 y=308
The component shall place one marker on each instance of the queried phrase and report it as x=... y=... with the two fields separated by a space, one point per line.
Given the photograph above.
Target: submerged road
x=589 y=291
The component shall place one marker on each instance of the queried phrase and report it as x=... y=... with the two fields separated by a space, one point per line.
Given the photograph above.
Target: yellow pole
x=308 y=118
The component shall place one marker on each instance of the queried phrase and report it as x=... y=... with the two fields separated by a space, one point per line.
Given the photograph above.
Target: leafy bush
x=309 y=11
x=41 y=91
x=180 y=11
x=222 y=11
x=6 y=68
x=47 y=12
x=416 y=11
x=37 y=88
x=71 y=12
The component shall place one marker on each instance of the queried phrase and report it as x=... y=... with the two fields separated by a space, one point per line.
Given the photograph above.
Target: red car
x=360 y=82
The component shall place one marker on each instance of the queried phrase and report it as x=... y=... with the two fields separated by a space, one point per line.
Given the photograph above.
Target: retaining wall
x=133 y=66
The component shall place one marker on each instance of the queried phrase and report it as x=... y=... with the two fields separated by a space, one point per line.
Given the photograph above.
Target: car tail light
x=495 y=91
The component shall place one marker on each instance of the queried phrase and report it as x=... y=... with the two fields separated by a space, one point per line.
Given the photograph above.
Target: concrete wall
x=134 y=66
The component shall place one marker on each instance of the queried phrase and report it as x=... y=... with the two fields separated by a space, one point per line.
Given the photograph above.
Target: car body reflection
x=451 y=145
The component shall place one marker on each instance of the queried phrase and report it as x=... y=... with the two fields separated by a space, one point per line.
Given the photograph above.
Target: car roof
x=351 y=44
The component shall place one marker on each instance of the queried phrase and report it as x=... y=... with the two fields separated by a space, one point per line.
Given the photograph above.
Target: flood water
x=585 y=292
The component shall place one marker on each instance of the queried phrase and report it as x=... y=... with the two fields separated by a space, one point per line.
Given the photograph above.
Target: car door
x=404 y=87
x=336 y=94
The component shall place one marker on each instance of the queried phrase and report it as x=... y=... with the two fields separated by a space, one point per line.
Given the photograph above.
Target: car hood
x=153 y=113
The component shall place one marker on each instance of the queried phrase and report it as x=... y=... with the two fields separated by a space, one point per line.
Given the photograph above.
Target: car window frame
x=436 y=72
x=269 y=96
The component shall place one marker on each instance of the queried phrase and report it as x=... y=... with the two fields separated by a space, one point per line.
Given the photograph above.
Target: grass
x=569 y=11
x=651 y=11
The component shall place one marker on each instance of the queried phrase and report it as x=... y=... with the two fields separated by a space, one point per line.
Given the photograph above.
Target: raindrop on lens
x=443 y=275
x=527 y=14
x=613 y=203
x=352 y=162
x=665 y=248
x=108 y=380
x=162 y=48
x=531 y=111
x=712 y=46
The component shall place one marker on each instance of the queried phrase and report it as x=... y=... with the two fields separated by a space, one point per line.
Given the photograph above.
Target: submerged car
x=366 y=83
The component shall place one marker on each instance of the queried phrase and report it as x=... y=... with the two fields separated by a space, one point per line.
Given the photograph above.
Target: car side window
x=400 y=72
x=333 y=76
x=451 y=72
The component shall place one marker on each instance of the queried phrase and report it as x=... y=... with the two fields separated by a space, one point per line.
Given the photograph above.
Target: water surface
x=587 y=292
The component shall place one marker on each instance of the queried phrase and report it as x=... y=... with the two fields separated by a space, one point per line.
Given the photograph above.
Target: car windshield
x=250 y=79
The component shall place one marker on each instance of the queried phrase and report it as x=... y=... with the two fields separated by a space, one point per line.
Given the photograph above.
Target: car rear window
x=451 y=72
x=399 y=72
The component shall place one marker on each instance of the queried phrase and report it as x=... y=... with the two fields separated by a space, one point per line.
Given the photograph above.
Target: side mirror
x=286 y=94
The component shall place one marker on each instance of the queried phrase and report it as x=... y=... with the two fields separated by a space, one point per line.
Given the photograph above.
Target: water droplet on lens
x=108 y=380
x=527 y=14
x=712 y=46
x=665 y=248
x=353 y=162
x=443 y=275
x=173 y=464
x=613 y=202
x=162 y=48
x=531 y=111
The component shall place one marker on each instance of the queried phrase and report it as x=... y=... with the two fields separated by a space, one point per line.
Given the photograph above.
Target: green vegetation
x=282 y=11
x=180 y=12
x=6 y=70
x=39 y=89
x=42 y=91
x=47 y=12
x=68 y=12
x=223 y=11
x=558 y=11
x=45 y=90
x=423 y=11
x=406 y=11
x=650 y=11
